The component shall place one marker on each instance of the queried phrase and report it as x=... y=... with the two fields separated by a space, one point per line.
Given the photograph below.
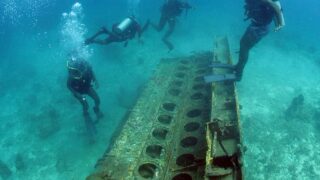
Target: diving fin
x=91 y=129
x=220 y=77
x=99 y=115
x=220 y=65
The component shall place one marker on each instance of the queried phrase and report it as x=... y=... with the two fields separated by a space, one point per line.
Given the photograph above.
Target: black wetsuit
x=169 y=11
x=114 y=36
x=83 y=86
x=261 y=15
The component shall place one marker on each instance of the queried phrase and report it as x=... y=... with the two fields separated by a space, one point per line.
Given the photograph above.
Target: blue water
x=42 y=131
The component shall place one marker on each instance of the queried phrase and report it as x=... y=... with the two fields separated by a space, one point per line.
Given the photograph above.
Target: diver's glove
x=83 y=98
x=79 y=96
x=277 y=28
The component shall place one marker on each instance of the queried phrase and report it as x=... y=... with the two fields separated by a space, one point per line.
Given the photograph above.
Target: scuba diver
x=261 y=13
x=80 y=79
x=169 y=12
x=121 y=32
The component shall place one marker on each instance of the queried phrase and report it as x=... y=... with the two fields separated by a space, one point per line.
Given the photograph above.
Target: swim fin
x=220 y=65
x=219 y=77
x=91 y=129
x=99 y=115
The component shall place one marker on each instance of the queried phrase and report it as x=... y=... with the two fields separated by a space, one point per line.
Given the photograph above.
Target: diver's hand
x=277 y=28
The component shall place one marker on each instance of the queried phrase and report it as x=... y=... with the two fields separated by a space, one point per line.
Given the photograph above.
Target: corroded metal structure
x=223 y=132
x=180 y=127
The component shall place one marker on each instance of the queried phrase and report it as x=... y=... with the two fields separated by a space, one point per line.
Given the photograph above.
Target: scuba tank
x=123 y=26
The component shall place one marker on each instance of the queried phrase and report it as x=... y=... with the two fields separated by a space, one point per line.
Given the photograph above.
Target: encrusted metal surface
x=164 y=136
x=224 y=156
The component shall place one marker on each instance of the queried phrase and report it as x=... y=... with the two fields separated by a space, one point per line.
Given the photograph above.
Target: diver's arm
x=93 y=76
x=75 y=93
x=138 y=30
x=279 y=19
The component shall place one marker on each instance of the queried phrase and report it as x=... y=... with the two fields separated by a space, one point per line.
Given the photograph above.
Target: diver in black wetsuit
x=261 y=13
x=80 y=79
x=121 y=32
x=169 y=12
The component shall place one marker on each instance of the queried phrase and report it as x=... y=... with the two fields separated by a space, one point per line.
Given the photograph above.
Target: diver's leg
x=84 y=103
x=87 y=119
x=91 y=129
x=250 y=38
x=161 y=24
x=172 y=23
x=93 y=94
x=106 y=41
x=145 y=27
x=92 y=39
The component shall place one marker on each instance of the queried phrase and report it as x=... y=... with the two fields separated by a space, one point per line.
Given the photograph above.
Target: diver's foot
x=98 y=113
x=168 y=44
x=238 y=76
x=88 y=41
x=91 y=129
x=170 y=49
x=99 y=116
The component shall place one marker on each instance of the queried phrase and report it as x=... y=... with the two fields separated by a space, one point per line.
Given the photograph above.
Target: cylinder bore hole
x=160 y=133
x=184 y=62
x=197 y=96
x=182 y=176
x=154 y=151
x=169 y=106
x=202 y=65
x=148 y=170
x=185 y=160
x=165 y=119
x=180 y=75
x=177 y=83
x=198 y=86
x=199 y=79
x=174 y=92
x=194 y=113
x=192 y=126
x=182 y=68
x=201 y=71
x=188 y=141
